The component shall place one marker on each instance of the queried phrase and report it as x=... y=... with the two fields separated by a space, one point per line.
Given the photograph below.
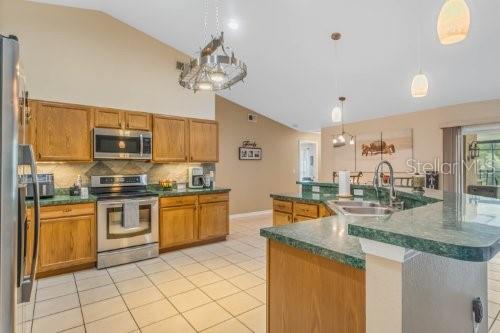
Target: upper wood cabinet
x=63 y=132
x=114 y=118
x=108 y=118
x=138 y=121
x=170 y=139
x=203 y=140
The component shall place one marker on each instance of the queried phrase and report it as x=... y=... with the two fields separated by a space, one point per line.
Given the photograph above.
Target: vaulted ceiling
x=290 y=56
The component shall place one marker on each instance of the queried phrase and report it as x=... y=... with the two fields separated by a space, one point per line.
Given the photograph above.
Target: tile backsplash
x=65 y=174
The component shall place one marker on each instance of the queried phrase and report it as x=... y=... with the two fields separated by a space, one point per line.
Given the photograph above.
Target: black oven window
x=118 y=144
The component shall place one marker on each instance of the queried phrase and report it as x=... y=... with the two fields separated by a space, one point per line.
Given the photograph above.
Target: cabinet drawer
x=178 y=201
x=299 y=218
x=306 y=210
x=214 y=197
x=50 y=212
x=282 y=206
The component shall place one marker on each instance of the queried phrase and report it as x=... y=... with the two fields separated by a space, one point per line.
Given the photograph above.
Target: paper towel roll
x=344 y=183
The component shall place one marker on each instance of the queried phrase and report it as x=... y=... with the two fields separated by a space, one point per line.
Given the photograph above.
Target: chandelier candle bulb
x=344 y=184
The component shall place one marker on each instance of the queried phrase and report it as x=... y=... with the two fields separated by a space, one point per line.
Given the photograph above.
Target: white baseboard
x=258 y=213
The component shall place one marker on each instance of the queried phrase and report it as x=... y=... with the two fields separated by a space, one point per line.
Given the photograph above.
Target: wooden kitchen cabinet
x=214 y=220
x=193 y=219
x=203 y=140
x=280 y=218
x=67 y=237
x=178 y=221
x=119 y=119
x=170 y=139
x=63 y=132
x=139 y=121
x=290 y=211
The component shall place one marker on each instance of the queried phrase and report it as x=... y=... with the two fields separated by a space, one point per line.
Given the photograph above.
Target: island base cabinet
x=214 y=220
x=309 y=293
x=280 y=218
x=66 y=242
x=178 y=225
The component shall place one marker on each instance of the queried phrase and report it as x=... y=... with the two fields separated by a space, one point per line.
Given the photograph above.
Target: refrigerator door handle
x=28 y=158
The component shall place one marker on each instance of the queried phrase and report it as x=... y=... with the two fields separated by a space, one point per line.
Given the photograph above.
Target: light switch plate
x=358 y=192
x=315 y=189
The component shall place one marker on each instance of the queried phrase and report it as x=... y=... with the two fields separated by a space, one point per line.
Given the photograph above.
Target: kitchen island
x=416 y=270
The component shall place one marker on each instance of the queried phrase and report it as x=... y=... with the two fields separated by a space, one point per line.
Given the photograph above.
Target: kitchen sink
x=361 y=208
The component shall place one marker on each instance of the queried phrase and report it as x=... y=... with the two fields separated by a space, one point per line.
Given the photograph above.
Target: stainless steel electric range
x=127 y=219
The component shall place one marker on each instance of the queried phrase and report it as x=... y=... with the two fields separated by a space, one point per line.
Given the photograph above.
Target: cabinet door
x=178 y=225
x=66 y=242
x=108 y=118
x=299 y=218
x=170 y=139
x=138 y=121
x=203 y=141
x=63 y=132
x=280 y=218
x=214 y=220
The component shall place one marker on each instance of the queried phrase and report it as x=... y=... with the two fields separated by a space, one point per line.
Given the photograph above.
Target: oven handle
x=122 y=202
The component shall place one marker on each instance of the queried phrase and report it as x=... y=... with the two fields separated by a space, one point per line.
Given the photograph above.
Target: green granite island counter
x=422 y=266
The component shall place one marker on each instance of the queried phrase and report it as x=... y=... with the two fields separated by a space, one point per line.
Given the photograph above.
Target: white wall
x=86 y=57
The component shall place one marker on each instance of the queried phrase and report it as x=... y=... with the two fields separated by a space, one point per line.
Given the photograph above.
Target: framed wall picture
x=250 y=153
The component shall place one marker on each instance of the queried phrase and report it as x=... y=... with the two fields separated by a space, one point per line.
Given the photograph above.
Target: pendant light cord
x=205 y=36
x=419 y=41
x=217 y=24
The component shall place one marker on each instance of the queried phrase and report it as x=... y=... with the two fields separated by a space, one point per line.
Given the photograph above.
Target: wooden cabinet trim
x=309 y=210
x=178 y=201
x=283 y=206
x=49 y=212
x=205 y=198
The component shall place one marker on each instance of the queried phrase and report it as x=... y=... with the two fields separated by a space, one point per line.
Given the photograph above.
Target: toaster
x=45 y=185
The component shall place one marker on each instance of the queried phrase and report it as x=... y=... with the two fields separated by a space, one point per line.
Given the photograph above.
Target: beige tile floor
x=211 y=288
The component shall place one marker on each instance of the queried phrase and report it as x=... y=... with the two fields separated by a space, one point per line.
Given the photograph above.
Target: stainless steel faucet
x=392 y=192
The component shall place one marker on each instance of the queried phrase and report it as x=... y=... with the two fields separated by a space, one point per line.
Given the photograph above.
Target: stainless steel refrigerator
x=16 y=286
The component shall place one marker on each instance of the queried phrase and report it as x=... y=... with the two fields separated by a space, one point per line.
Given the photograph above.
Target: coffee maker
x=195 y=177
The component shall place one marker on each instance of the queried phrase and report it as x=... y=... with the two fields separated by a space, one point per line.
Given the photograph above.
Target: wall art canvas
x=368 y=152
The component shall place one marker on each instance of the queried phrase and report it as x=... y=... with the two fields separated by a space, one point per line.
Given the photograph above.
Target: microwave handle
x=27 y=157
x=142 y=144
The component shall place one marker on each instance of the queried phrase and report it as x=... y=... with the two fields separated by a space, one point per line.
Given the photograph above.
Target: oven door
x=121 y=144
x=126 y=223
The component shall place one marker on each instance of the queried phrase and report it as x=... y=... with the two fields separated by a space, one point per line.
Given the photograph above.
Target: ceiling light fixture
x=214 y=69
x=339 y=140
x=453 y=22
x=419 y=84
x=233 y=24
x=336 y=111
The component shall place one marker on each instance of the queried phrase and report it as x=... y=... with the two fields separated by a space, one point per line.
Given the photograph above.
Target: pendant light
x=453 y=22
x=337 y=111
x=419 y=84
x=339 y=140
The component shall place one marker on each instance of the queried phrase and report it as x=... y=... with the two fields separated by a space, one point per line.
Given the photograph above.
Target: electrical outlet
x=358 y=192
x=315 y=189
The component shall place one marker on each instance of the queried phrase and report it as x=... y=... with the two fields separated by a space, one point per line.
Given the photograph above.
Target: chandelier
x=216 y=68
x=339 y=140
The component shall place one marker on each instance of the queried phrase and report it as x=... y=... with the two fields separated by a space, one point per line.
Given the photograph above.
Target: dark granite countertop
x=463 y=227
x=65 y=199
x=326 y=237
x=306 y=197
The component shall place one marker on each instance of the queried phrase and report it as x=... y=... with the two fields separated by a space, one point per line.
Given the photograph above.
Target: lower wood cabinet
x=286 y=212
x=192 y=219
x=178 y=225
x=214 y=220
x=67 y=237
x=280 y=218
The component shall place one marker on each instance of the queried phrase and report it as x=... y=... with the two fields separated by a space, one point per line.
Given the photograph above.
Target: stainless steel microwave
x=122 y=144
